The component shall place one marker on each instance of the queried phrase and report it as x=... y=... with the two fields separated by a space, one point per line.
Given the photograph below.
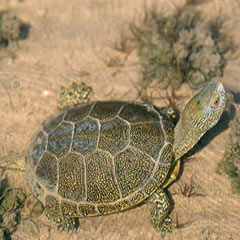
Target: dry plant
x=179 y=225
x=189 y=189
x=125 y=43
x=114 y=61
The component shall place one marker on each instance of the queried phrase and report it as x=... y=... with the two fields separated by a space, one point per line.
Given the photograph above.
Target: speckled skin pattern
x=100 y=158
x=74 y=95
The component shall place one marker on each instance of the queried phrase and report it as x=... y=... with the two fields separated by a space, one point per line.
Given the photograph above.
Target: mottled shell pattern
x=100 y=158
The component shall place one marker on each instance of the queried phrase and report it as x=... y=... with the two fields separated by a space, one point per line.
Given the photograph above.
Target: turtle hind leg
x=159 y=212
x=54 y=213
x=63 y=222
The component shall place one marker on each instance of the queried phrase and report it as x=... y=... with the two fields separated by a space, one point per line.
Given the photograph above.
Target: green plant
x=11 y=29
x=11 y=203
x=230 y=164
x=179 y=48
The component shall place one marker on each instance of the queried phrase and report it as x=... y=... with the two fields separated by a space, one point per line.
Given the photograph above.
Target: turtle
x=105 y=157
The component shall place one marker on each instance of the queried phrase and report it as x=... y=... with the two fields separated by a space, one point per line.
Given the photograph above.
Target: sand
x=70 y=42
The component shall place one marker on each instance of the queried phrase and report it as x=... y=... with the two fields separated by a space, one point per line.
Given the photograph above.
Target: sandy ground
x=68 y=42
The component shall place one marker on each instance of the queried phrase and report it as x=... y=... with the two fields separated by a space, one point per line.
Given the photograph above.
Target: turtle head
x=201 y=113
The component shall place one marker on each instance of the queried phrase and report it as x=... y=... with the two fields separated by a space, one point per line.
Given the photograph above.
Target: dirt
x=70 y=42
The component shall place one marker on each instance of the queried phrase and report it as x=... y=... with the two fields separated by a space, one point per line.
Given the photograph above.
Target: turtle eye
x=215 y=101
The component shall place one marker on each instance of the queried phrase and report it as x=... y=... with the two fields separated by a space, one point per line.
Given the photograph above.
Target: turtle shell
x=100 y=158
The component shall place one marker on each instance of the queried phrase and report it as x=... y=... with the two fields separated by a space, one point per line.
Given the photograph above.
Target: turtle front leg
x=53 y=213
x=160 y=211
x=174 y=174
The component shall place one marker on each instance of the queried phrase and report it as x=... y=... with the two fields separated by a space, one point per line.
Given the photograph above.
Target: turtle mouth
x=222 y=92
x=226 y=95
